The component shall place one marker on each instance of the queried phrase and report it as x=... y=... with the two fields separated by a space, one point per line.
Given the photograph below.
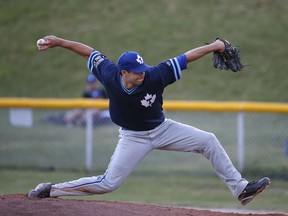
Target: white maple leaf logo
x=148 y=100
x=139 y=59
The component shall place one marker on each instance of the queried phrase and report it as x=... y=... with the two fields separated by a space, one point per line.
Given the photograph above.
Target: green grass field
x=158 y=31
x=193 y=191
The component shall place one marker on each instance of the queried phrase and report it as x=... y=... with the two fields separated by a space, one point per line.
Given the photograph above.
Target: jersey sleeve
x=178 y=64
x=182 y=61
x=99 y=65
x=171 y=70
x=94 y=60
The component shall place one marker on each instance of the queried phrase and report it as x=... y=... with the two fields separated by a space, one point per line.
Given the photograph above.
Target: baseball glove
x=229 y=59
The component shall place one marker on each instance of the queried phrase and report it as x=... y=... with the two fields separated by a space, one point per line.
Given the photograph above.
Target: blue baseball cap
x=91 y=78
x=133 y=62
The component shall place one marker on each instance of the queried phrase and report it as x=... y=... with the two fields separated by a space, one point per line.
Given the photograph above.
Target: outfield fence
x=34 y=135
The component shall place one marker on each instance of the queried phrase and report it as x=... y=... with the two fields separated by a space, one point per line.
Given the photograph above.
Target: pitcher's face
x=131 y=79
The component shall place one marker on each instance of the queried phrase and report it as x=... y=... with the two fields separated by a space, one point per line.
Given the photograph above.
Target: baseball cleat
x=41 y=191
x=252 y=189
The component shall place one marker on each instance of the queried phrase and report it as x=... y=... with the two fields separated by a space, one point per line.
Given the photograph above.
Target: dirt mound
x=19 y=204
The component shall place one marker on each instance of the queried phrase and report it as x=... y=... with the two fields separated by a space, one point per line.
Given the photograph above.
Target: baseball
x=40 y=42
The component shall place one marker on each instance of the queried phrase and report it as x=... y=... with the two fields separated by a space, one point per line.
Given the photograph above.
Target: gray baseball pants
x=134 y=145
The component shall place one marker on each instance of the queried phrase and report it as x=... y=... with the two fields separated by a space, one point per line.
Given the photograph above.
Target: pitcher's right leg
x=128 y=153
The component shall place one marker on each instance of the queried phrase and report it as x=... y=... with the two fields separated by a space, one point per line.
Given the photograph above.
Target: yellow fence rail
x=218 y=106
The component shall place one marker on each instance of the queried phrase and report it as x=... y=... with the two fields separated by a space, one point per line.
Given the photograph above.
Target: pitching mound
x=19 y=204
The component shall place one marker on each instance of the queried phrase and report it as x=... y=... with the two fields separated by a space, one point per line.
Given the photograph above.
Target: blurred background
x=49 y=151
x=158 y=31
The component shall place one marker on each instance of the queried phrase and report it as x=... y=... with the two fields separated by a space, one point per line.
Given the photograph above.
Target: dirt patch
x=19 y=204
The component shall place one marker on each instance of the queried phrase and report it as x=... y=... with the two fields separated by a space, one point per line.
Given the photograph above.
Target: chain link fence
x=39 y=138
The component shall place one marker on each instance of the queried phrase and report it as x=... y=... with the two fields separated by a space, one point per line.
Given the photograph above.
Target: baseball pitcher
x=135 y=93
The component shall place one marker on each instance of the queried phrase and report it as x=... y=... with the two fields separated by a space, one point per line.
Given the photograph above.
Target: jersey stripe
x=89 y=182
x=91 y=59
x=176 y=68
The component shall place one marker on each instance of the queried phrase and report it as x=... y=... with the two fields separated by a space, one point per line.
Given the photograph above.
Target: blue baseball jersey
x=139 y=108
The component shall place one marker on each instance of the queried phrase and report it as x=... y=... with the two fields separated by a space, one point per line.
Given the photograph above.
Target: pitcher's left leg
x=182 y=137
x=223 y=166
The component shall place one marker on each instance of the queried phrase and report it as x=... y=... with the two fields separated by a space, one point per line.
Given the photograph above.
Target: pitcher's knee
x=110 y=188
x=209 y=139
x=211 y=145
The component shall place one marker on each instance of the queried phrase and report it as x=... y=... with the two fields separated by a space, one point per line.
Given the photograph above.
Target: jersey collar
x=128 y=91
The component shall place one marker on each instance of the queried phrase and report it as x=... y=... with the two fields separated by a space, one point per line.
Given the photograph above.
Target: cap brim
x=140 y=69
